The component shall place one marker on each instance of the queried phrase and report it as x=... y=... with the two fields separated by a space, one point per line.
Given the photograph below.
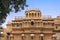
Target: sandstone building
x=32 y=27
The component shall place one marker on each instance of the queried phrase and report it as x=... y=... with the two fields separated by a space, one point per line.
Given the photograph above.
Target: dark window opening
x=22 y=38
x=17 y=24
x=32 y=23
x=52 y=24
x=41 y=38
x=56 y=27
x=32 y=14
x=29 y=15
x=8 y=33
x=32 y=38
x=35 y=14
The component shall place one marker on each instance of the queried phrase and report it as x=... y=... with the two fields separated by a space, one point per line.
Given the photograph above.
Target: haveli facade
x=32 y=27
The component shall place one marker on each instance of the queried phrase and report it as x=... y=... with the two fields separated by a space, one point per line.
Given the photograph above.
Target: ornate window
x=44 y=24
x=32 y=23
x=35 y=14
x=20 y=24
x=32 y=14
x=52 y=24
x=16 y=24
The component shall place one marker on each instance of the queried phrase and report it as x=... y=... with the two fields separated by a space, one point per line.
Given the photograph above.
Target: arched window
x=16 y=25
x=20 y=24
x=32 y=14
x=35 y=14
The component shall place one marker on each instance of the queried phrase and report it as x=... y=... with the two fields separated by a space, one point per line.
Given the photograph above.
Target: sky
x=47 y=7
